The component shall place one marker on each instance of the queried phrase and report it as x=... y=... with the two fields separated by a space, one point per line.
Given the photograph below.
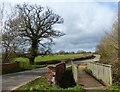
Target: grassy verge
x=13 y=70
x=22 y=68
x=114 y=88
x=41 y=84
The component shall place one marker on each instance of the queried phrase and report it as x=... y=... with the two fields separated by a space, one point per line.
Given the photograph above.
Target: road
x=15 y=80
x=97 y=57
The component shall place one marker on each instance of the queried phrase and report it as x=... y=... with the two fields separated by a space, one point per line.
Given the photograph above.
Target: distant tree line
x=62 y=52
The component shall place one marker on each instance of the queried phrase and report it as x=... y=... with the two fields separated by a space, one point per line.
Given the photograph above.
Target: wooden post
x=110 y=70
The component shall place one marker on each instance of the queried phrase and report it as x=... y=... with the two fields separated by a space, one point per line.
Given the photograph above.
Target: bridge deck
x=87 y=81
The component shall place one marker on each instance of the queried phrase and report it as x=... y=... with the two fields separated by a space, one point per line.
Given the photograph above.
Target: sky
x=84 y=24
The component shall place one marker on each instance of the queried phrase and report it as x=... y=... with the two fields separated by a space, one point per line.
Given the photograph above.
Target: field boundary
x=66 y=60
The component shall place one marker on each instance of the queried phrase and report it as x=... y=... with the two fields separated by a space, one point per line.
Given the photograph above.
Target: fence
x=75 y=72
x=101 y=71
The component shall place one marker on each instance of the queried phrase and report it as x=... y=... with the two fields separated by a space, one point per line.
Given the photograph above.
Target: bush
x=108 y=49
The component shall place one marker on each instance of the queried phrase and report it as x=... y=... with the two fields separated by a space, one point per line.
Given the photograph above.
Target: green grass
x=55 y=57
x=21 y=59
x=47 y=58
x=25 y=65
x=24 y=62
x=114 y=88
x=42 y=85
x=13 y=70
x=22 y=68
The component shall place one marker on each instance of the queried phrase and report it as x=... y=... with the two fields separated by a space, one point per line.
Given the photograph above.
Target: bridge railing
x=101 y=71
x=75 y=72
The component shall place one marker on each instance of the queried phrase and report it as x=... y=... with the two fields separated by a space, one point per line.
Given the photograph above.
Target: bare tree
x=108 y=49
x=9 y=37
x=34 y=24
x=11 y=45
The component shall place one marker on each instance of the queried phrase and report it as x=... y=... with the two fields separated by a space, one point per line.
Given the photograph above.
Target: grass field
x=48 y=58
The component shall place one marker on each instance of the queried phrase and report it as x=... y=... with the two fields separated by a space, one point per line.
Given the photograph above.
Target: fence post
x=110 y=70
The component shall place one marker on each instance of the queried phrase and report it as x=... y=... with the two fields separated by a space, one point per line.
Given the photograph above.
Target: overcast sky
x=84 y=22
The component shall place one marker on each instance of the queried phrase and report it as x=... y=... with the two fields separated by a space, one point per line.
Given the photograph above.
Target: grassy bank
x=48 y=58
x=115 y=88
x=22 y=68
x=41 y=84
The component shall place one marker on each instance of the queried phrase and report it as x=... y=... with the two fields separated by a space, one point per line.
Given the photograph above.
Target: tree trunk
x=33 y=51
x=31 y=59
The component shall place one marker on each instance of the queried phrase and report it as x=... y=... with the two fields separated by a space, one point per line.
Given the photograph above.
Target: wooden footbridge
x=100 y=79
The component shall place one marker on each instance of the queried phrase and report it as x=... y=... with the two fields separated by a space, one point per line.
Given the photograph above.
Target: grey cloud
x=84 y=26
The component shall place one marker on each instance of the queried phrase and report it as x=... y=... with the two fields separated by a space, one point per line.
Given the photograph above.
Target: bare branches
x=38 y=20
x=108 y=49
x=34 y=24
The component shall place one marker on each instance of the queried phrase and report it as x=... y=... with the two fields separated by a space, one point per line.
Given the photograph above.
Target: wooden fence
x=101 y=71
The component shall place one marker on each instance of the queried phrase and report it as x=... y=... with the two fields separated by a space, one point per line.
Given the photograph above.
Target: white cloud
x=38 y=1
x=84 y=23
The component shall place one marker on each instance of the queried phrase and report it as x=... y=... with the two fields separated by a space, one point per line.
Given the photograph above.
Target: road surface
x=97 y=57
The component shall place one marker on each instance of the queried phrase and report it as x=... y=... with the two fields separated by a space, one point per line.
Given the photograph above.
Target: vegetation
x=42 y=85
x=23 y=67
x=115 y=88
x=68 y=52
x=48 y=57
x=13 y=70
x=32 y=26
x=109 y=51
